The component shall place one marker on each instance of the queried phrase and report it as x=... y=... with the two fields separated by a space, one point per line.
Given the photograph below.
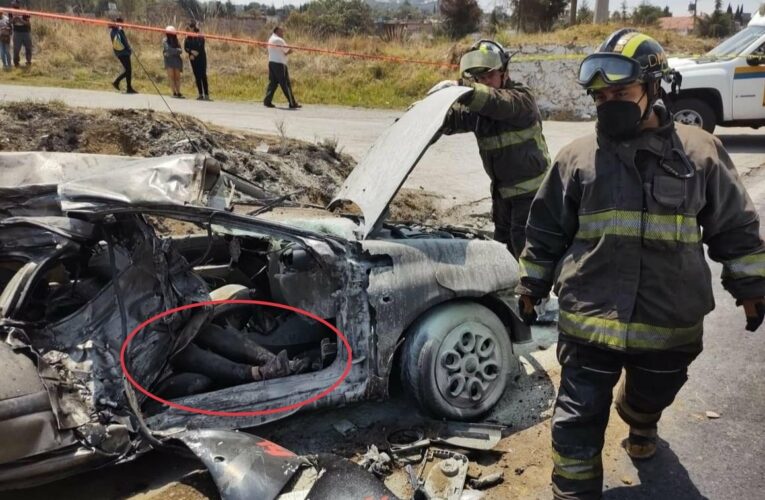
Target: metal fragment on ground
x=486 y=481
x=446 y=478
x=469 y=435
x=344 y=427
x=377 y=462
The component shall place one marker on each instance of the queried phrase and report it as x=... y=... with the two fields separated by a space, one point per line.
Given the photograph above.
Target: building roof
x=679 y=23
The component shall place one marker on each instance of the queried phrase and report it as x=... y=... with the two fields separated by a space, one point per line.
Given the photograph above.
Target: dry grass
x=80 y=56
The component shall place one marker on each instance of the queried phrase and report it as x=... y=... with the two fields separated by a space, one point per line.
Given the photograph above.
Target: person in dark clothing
x=195 y=48
x=278 y=76
x=619 y=227
x=122 y=51
x=22 y=35
x=504 y=117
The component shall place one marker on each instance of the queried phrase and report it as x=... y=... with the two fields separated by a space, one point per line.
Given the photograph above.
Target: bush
x=462 y=17
x=325 y=18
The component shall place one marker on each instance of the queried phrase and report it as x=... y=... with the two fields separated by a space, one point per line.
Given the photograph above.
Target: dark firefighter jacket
x=621 y=236
x=508 y=127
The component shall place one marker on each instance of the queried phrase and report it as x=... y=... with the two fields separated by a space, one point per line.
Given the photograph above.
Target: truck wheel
x=692 y=111
x=456 y=360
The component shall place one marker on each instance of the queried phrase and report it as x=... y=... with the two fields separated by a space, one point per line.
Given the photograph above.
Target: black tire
x=457 y=381
x=692 y=111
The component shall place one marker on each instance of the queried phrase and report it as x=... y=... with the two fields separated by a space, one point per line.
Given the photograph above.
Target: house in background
x=681 y=24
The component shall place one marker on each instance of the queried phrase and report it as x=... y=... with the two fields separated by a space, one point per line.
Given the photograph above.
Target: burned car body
x=85 y=258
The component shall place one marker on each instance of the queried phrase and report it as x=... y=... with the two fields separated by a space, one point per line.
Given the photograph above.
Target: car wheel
x=691 y=111
x=456 y=360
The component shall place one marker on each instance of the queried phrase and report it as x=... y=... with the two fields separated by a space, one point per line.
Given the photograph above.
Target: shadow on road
x=744 y=143
x=661 y=477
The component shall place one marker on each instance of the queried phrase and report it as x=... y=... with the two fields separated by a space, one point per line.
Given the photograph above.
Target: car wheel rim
x=468 y=365
x=689 y=117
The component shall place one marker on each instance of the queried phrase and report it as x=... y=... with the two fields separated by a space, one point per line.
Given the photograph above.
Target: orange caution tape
x=223 y=38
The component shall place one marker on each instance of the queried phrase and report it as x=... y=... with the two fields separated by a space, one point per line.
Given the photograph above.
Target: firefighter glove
x=526 y=309
x=754 y=309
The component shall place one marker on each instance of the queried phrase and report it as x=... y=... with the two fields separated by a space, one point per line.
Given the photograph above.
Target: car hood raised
x=381 y=173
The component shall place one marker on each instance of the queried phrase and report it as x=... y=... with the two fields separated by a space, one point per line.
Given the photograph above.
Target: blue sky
x=678 y=7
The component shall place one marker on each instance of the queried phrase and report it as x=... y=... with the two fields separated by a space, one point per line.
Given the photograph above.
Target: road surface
x=699 y=457
x=451 y=167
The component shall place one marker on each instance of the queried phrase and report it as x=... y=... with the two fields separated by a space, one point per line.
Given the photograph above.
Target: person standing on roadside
x=194 y=45
x=22 y=35
x=122 y=51
x=171 y=50
x=278 y=76
x=5 y=40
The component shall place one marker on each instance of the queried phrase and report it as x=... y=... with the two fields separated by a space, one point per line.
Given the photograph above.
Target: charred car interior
x=93 y=246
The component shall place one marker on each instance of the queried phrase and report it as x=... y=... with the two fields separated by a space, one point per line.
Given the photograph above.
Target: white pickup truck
x=725 y=86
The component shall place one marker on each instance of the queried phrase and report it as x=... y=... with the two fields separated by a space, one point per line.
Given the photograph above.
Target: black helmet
x=626 y=56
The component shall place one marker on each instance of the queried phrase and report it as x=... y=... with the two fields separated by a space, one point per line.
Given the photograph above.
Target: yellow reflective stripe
x=616 y=333
x=633 y=44
x=480 y=95
x=523 y=187
x=534 y=270
x=512 y=138
x=633 y=223
x=577 y=469
x=744 y=267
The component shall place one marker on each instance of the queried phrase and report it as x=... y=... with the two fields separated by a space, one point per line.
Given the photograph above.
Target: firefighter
x=617 y=227
x=504 y=117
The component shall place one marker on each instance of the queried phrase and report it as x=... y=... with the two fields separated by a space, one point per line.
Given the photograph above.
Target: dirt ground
x=312 y=172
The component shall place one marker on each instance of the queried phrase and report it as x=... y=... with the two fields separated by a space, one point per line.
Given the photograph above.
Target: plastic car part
x=341 y=478
x=243 y=466
x=446 y=478
x=469 y=436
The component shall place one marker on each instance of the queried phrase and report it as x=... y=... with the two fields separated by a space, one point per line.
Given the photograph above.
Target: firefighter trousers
x=588 y=376
x=510 y=216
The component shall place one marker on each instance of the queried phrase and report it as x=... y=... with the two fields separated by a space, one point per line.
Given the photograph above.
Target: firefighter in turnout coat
x=504 y=117
x=617 y=229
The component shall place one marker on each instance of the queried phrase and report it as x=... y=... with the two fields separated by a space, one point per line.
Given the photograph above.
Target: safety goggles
x=613 y=69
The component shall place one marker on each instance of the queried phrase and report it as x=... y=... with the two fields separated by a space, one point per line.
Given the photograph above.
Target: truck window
x=738 y=42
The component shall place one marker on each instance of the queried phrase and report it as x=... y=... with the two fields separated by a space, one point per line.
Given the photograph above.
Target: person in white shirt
x=278 y=76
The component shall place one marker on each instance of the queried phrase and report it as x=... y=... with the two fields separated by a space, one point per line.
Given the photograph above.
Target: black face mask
x=620 y=119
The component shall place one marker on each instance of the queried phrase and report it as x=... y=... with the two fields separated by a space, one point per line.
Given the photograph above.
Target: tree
x=333 y=17
x=625 y=14
x=461 y=17
x=719 y=24
x=730 y=10
x=536 y=15
x=739 y=15
x=498 y=20
x=646 y=14
x=666 y=12
x=407 y=11
x=230 y=9
x=584 y=13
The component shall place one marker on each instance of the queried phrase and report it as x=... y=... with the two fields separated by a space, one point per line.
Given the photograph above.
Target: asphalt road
x=451 y=167
x=720 y=458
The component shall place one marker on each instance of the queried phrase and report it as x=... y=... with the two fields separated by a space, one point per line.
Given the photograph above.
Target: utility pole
x=601 y=11
x=572 y=13
x=692 y=8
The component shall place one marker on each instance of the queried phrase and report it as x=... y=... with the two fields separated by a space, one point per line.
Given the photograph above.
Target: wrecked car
x=91 y=246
